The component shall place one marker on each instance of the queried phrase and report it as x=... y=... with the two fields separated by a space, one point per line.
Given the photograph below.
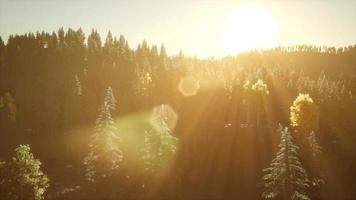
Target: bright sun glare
x=249 y=27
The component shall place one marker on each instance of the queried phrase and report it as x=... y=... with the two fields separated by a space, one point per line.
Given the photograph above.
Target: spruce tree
x=151 y=151
x=159 y=144
x=105 y=156
x=315 y=148
x=110 y=99
x=313 y=144
x=286 y=178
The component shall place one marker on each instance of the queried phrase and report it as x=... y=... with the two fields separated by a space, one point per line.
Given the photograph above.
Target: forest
x=89 y=117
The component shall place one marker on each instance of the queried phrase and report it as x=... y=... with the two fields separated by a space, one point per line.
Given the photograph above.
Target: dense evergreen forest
x=92 y=118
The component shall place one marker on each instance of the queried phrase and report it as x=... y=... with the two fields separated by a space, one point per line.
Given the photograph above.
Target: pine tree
x=150 y=151
x=21 y=177
x=286 y=177
x=105 y=156
x=313 y=144
x=159 y=144
x=315 y=148
x=110 y=99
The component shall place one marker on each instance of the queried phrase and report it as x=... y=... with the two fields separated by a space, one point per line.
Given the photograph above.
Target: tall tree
x=105 y=155
x=313 y=144
x=257 y=94
x=286 y=178
x=110 y=99
x=159 y=144
x=315 y=162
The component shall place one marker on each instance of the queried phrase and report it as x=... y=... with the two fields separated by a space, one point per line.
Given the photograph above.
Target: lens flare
x=189 y=86
x=166 y=113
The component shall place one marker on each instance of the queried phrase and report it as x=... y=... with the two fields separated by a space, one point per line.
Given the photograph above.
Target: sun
x=249 y=27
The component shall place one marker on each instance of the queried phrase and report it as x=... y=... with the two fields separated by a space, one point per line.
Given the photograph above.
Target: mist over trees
x=66 y=95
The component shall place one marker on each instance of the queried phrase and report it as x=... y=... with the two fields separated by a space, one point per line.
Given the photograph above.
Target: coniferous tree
x=313 y=144
x=110 y=99
x=105 y=155
x=286 y=178
x=159 y=144
x=150 y=151
x=109 y=60
x=316 y=151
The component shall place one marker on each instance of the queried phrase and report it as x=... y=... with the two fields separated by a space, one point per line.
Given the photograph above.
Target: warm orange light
x=249 y=27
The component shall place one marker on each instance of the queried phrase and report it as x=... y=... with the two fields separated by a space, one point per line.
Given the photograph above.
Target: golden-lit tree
x=143 y=83
x=22 y=177
x=260 y=87
x=105 y=155
x=146 y=84
x=247 y=85
x=257 y=93
x=110 y=99
x=304 y=114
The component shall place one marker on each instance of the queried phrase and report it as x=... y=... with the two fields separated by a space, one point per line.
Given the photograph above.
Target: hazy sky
x=194 y=26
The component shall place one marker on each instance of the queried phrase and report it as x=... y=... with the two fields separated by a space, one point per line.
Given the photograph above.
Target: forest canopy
x=183 y=127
